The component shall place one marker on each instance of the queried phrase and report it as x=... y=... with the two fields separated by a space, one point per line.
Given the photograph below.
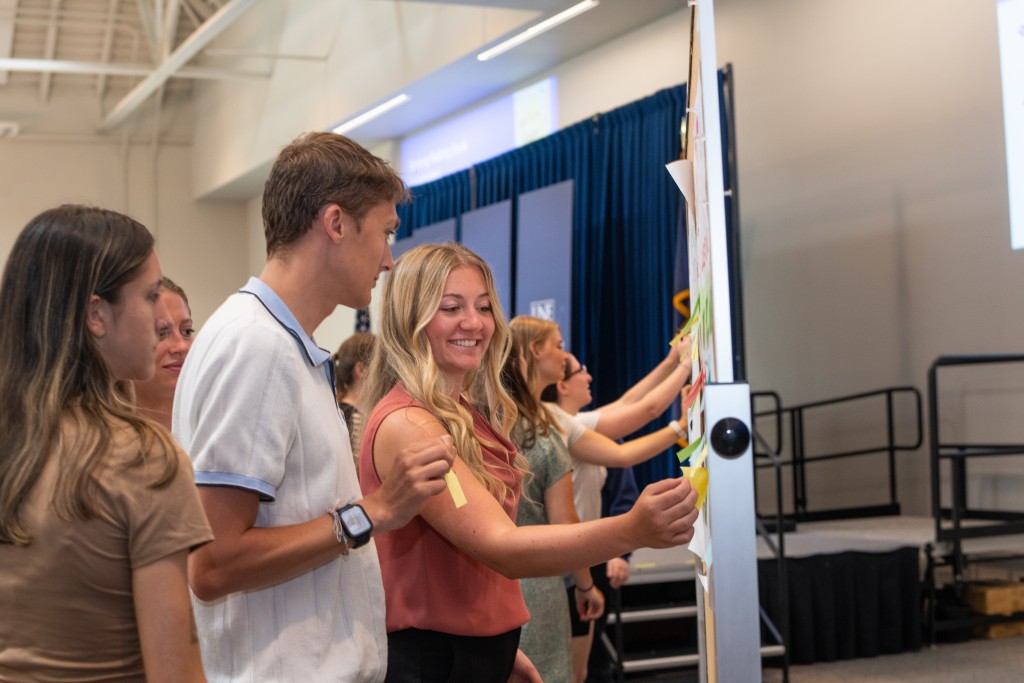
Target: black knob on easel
x=730 y=437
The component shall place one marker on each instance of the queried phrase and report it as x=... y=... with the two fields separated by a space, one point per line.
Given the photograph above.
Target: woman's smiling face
x=461 y=329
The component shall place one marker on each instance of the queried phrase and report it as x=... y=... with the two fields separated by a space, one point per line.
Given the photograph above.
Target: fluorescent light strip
x=370 y=115
x=535 y=31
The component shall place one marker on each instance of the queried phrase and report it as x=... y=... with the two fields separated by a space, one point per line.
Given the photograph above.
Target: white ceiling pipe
x=58 y=66
x=51 y=49
x=171 y=14
x=108 y=45
x=200 y=38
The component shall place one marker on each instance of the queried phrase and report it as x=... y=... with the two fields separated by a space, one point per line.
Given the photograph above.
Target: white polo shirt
x=255 y=408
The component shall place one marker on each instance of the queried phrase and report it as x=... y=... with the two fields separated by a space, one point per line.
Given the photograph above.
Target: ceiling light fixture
x=536 y=30
x=370 y=115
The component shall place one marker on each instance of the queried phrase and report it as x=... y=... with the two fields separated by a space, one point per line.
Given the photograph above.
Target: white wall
x=202 y=246
x=875 y=227
x=368 y=51
x=873 y=194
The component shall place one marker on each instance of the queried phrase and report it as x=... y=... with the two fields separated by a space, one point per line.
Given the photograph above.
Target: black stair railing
x=799 y=416
x=949 y=520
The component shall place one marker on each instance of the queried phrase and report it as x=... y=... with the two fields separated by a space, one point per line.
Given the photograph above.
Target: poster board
x=443 y=231
x=717 y=408
x=543 y=281
x=488 y=232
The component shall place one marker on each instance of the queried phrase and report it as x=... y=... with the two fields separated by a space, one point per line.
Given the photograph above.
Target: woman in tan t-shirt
x=98 y=508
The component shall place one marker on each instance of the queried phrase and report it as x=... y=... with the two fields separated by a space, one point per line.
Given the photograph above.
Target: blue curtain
x=444 y=198
x=626 y=213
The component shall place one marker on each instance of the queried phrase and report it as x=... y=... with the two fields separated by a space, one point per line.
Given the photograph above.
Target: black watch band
x=355 y=524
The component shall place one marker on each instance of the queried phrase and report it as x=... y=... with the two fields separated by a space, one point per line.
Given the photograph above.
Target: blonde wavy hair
x=412 y=295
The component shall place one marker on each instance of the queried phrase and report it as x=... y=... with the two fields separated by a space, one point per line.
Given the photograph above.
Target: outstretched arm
x=663 y=516
x=621 y=419
x=676 y=354
x=598 y=449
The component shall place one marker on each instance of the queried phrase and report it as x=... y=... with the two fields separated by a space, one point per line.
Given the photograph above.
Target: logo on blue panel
x=543 y=309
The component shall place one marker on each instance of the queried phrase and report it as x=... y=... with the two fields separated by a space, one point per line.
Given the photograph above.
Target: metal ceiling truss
x=149 y=39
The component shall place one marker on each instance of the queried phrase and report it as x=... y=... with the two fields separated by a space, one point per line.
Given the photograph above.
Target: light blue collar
x=283 y=315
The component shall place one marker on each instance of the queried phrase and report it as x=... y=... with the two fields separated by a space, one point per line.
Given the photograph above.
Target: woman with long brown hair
x=98 y=508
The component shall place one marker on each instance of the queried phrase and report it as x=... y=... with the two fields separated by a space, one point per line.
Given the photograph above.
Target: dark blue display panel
x=488 y=232
x=544 y=255
x=438 y=232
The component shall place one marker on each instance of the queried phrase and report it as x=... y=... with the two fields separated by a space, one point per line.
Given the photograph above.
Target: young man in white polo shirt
x=286 y=592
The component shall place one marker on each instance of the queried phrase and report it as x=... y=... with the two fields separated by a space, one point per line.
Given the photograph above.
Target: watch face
x=356 y=521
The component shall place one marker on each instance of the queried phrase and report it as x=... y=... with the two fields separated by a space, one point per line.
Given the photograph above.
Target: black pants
x=416 y=656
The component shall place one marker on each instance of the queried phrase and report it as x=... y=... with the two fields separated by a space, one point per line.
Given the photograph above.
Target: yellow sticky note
x=455 y=488
x=682 y=332
x=698 y=477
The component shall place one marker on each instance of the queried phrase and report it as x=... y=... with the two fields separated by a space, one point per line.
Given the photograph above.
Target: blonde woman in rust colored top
x=98 y=508
x=443 y=337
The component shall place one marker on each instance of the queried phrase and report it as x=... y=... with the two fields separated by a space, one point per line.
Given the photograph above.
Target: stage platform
x=866 y=535
x=854 y=588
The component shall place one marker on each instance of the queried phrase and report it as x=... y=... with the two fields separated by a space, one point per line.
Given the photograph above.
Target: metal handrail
x=958 y=454
x=800 y=459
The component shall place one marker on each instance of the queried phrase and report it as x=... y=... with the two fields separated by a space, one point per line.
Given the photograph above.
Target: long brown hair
x=356 y=349
x=52 y=375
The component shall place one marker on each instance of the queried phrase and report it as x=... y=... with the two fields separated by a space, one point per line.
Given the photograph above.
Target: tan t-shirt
x=66 y=599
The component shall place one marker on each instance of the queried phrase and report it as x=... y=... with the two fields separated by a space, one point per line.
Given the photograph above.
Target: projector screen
x=1010 y=15
x=494 y=128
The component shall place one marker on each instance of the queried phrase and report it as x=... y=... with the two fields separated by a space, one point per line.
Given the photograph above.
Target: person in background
x=454 y=606
x=290 y=589
x=547 y=499
x=155 y=397
x=643 y=402
x=98 y=509
x=651 y=395
x=591 y=450
x=350 y=364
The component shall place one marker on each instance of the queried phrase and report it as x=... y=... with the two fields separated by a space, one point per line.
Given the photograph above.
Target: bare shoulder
x=410 y=423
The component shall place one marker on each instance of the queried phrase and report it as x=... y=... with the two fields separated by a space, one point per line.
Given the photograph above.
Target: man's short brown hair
x=323 y=168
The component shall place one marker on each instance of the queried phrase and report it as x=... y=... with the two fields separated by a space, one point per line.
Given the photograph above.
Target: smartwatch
x=356 y=525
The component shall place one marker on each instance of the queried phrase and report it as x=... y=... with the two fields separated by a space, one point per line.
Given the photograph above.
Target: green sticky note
x=685 y=453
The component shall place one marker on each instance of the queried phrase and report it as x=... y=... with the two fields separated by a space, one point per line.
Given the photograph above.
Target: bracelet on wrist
x=677 y=428
x=339 y=532
x=585 y=590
